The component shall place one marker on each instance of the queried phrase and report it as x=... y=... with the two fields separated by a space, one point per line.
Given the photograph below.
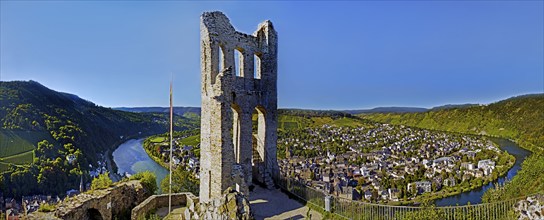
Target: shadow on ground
x=273 y=204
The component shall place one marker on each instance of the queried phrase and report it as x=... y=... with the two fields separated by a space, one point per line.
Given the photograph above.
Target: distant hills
x=41 y=128
x=406 y=109
x=387 y=110
x=177 y=110
x=196 y=110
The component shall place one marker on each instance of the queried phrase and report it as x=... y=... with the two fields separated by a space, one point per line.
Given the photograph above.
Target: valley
x=384 y=158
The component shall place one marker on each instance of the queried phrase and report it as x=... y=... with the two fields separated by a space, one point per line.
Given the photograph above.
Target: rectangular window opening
x=238 y=62
x=221 y=57
x=256 y=66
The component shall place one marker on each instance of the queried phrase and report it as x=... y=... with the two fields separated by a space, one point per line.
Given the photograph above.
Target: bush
x=103 y=181
x=46 y=207
x=182 y=181
x=147 y=179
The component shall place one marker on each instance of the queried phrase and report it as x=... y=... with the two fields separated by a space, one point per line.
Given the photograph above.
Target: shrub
x=101 y=182
x=46 y=207
x=147 y=179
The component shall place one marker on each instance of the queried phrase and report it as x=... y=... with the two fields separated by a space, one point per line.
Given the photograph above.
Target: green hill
x=519 y=118
x=40 y=127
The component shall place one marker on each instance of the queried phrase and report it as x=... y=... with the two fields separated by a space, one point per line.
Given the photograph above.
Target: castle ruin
x=239 y=84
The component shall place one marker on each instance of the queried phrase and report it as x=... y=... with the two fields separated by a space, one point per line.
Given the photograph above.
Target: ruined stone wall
x=229 y=100
x=114 y=202
x=158 y=201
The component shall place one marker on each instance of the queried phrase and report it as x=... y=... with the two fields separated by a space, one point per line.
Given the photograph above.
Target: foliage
x=35 y=120
x=153 y=217
x=529 y=180
x=147 y=179
x=519 y=118
x=182 y=181
x=313 y=113
x=46 y=207
x=103 y=181
x=427 y=212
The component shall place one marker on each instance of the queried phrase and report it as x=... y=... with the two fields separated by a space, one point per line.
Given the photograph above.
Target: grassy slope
x=16 y=142
x=18 y=159
x=520 y=119
x=288 y=122
x=191 y=140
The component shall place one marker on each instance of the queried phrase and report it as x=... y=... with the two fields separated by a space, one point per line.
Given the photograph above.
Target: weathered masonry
x=239 y=106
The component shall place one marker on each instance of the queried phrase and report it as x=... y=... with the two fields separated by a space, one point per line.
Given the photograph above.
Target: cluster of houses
x=99 y=169
x=26 y=205
x=375 y=159
x=181 y=155
x=29 y=204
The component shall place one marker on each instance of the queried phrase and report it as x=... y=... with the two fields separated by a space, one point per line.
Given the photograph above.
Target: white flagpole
x=170 y=163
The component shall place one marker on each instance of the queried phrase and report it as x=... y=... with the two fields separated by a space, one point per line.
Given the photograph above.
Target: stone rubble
x=231 y=205
x=530 y=208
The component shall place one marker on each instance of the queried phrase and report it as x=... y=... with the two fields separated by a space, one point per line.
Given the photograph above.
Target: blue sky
x=332 y=55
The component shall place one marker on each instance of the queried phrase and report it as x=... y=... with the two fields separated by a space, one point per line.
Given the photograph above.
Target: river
x=475 y=196
x=130 y=157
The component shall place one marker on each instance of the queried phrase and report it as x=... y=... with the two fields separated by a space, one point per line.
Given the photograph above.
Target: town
x=385 y=163
x=376 y=163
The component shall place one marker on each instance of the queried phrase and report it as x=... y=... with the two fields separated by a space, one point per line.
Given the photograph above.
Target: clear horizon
x=332 y=55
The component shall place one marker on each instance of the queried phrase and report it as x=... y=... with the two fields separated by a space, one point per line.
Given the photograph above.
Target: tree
x=101 y=182
x=147 y=179
x=45 y=150
x=182 y=181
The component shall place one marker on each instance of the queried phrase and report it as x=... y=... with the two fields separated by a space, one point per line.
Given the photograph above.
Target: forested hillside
x=519 y=118
x=41 y=129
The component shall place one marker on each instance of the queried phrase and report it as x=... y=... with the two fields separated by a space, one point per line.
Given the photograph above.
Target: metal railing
x=342 y=208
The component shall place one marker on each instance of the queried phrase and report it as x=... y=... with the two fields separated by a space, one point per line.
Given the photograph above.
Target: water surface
x=475 y=196
x=130 y=157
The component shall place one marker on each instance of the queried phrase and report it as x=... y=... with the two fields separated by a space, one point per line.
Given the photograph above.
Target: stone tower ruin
x=239 y=106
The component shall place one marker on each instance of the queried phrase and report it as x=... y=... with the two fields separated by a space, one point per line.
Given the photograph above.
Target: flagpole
x=170 y=163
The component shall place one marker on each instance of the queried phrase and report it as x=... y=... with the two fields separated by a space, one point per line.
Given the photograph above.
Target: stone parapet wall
x=157 y=201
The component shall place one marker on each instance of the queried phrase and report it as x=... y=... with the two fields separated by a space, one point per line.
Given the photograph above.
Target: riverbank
x=131 y=158
x=474 y=195
x=108 y=155
x=153 y=157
